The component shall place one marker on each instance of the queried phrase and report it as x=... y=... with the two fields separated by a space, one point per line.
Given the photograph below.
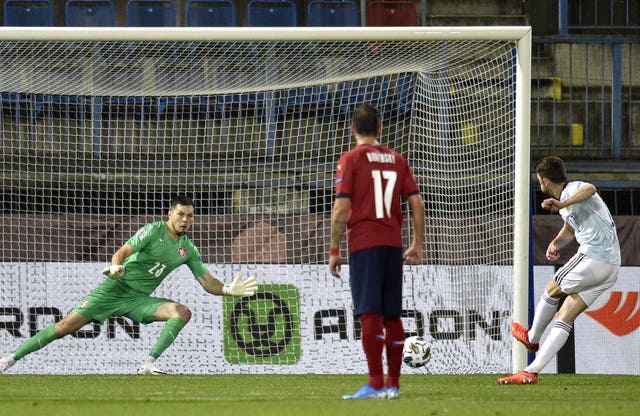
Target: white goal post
x=99 y=127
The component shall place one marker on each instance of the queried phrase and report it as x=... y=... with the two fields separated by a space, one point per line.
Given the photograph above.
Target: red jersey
x=375 y=177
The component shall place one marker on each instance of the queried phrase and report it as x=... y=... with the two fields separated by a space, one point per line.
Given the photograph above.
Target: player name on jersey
x=381 y=157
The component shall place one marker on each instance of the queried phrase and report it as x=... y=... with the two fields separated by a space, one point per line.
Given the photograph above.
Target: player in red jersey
x=371 y=181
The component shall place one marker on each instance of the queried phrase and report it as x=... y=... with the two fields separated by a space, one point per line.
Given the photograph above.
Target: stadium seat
x=28 y=13
x=12 y=104
x=136 y=107
x=34 y=105
x=401 y=90
x=272 y=13
x=196 y=107
x=349 y=94
x=90 y=13
x=151 y=13
x=333 y=13
x=311 y=101
x=211 y=13
x=392 y=13
x=240 y=105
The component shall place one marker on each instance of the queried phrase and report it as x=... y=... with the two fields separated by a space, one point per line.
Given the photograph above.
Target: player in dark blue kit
x=371 y=181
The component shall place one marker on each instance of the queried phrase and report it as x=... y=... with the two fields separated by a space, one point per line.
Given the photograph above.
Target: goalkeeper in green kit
x=137 y=269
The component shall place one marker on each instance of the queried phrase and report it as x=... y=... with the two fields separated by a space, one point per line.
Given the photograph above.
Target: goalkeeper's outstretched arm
x=237 y=287
x=117 y=270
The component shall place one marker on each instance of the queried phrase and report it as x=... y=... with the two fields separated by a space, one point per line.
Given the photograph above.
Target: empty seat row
x=393 y=95
x=211 y=13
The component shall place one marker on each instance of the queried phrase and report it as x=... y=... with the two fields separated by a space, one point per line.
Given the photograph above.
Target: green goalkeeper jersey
x=156 y=255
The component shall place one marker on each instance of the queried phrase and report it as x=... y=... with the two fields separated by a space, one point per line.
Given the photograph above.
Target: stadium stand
x=567 y=118
x=334 y=13
x=28 y=13
x=145 y=13
x=371 y=90
x=90 y=13
x=269 y=13
x=213 y=13
x=392 y=13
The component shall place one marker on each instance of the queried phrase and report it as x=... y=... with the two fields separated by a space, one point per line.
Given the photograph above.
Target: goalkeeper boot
x=367 y=392
x=150 y=368
x=521 y=377
x=522 y=334
x=6 y=361
x=393 y=393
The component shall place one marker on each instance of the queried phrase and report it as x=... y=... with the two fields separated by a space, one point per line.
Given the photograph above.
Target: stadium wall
x=303 y=238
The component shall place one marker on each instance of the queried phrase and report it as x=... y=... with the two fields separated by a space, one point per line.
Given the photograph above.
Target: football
x=416 y=352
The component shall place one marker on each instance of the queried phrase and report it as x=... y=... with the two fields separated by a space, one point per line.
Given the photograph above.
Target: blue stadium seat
x=88 y=13
x=304 y=95
x=151 y=13
x=211 y=13
x=272 y=13
x=68 y=108
x=28 y=13
x=312 y=101
x=243 y=105
x=400 y=100
x=375 y=91
x=333 y=13
x=196 y=107
x=12 y=103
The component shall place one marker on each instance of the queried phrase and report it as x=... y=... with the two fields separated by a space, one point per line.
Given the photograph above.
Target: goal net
x=101 y=128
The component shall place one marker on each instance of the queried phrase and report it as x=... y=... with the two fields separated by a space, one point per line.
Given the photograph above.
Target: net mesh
x=97 y=136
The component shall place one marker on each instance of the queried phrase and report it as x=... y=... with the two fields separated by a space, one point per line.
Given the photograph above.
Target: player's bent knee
x=183 y=312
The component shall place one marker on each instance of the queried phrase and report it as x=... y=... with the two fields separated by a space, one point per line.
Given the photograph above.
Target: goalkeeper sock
x=168 y=334
x=545 y=311
x=394 y=341
x=557 y=338
x=373 y=344
x=36 y=342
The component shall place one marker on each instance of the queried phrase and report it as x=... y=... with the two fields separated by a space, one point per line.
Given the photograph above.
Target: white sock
x=149 y=360
x=556 y=339
x=545 y=311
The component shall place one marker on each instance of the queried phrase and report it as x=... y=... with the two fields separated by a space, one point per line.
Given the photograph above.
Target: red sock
x=394 y=341
x=373 y=343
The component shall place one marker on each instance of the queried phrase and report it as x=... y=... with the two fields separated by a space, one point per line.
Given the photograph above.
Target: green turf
x=308 y=395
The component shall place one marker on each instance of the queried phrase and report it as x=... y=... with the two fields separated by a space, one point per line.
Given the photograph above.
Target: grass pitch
x=309 y=395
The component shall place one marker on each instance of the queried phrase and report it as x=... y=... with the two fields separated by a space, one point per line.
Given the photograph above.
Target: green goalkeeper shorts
x=116 y=300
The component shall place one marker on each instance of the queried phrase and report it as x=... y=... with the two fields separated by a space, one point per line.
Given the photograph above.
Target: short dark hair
x=552 y=168
x=366 y=120
x=180 y=200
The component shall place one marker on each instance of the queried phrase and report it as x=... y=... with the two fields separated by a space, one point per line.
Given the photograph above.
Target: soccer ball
x=416 y=352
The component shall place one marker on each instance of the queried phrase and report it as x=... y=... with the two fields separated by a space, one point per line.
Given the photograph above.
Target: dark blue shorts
x=375 y=275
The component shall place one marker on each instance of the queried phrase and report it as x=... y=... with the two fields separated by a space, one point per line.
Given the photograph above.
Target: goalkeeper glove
x=240 y=287
x=115 y=271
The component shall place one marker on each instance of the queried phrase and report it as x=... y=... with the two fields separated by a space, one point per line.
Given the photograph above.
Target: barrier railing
x=598 y=15
x=586 y=97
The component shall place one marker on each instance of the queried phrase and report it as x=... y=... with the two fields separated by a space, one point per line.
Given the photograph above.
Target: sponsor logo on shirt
x=182 y=252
